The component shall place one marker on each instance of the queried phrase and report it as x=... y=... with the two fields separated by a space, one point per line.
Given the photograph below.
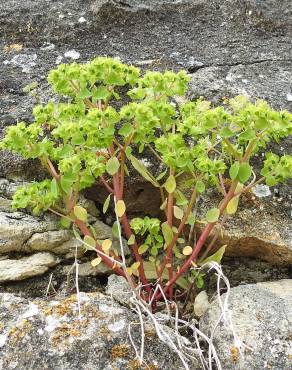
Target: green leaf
x=200 y=281
x=216 y=257
x=233 y=171
x=80 y=213
x=244 y=172
x=131 y=240
x=139 y=167
x=191 y=219
x=200 y=187
x=161 y=175
x=90 y=242
x=66 y=184
x=112 y=166
x=143 y=248
x=170 y=184
x=54 y=188
x=213 y=215
x=120 y=208
x=101 y=93
x=115 y=229
x=65 y=222
x=178 y=212
x=151 y=274
x=167 y=232
x=126 y=129
x=106 y=204
x=180 y=199
x=233 y=203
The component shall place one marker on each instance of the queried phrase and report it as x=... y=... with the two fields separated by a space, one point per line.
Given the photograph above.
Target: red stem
x=169 y=256
x=85 y=231
x=201 y=241
x=128 y=232
x=109 y=188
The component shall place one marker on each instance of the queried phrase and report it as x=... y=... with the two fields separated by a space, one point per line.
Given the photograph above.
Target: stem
x=107 y=260
x=179 y=230
x=128 y=232
x=222 y=184
x=250 y=186
x=155 y=153
x=215 y=237
x=201 y=241
x=109 y=188
x=232 y=149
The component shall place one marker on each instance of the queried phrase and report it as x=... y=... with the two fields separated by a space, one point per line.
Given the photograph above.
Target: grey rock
x=48 y=334
x=86 y=269
x=119 y=289
x=17 y=228
x=247 y=41
x=49 y=240
x=201 y=303
x=20 y=232
x=103 y=231
x=262 y=318
x=26 y=267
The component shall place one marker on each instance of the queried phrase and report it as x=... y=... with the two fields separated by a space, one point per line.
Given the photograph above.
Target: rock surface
x=25 y=267
x=229 y=47
x=48 y=334
x=262 y=320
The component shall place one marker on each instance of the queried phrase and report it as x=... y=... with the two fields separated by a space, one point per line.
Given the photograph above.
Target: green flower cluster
x=74 y=139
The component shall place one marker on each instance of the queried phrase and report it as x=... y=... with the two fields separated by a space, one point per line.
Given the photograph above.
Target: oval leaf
x=89 y=241
x=106 y=204
x=112 y=165
x=178 y=212
x=96 y=261
x=54 y=188
x=80 y=213
x=115 y=230
x=213 y=215
x=106 y=245
x=131 y=240
x=200 y=187
x=244 y=172
x=187 y=251
x=233 y=170
x=143 y=248
x=120 y=208
x=216 y=257
x=170 y=184
x=139 y=167
x=233 y=203
x=167 y=232
x=135 y=266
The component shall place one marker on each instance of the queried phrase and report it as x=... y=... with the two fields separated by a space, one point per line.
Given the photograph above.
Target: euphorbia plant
x=86 y=138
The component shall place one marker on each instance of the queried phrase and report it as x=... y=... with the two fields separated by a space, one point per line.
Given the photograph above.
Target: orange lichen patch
x=234 y=353
x=16 y=333
x=150 y=333
x=2 y=326
x=104 y=332
x=136 y=365
x=64 y=332
x=13 y=47
x=120 y=351
x=92 y=312
x=63 y=307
